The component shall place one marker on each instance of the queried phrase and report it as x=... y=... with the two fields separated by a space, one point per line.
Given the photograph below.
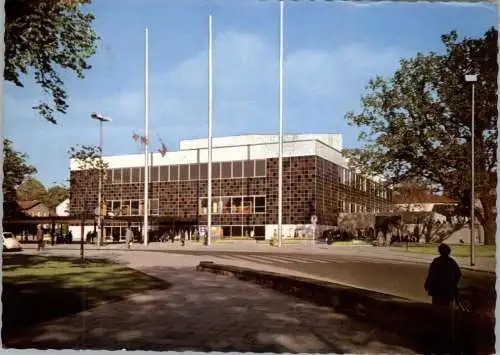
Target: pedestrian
x=129 y=236
x=39 y=238
x=443 y=278
x=183 y=238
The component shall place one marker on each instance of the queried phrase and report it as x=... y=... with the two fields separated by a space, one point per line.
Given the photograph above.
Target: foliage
x=55 y=195
x=15 y=170
x=417 y=124
x=42 y=36
x=31 y=189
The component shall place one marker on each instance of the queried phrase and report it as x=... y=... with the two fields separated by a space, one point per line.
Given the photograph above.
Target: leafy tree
x=417 y=124
x=42 y=36
x=56 y=195
x=90 y=166
x=31 y=189
x=15 y=170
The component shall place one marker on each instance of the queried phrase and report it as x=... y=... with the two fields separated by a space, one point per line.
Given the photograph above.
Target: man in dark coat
x=442 y=280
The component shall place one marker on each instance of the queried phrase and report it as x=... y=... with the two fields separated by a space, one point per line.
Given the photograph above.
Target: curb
x=425 y=326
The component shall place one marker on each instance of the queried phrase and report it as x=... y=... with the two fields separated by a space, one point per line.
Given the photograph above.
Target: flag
x=163 y=149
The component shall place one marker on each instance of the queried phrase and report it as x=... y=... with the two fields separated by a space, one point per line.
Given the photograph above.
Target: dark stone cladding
x=310 y=186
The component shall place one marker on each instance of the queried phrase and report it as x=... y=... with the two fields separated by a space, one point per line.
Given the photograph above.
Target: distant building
x=62 y=209
x=316 y=181
x=420 y=200
x=34 y=208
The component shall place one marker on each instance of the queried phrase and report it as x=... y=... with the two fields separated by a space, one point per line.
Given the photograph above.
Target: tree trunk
x=488 y=220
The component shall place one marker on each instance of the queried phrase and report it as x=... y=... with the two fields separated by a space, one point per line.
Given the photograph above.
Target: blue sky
x=331 y=50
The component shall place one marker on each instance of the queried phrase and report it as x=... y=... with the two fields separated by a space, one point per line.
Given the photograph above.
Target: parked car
x=10 y=243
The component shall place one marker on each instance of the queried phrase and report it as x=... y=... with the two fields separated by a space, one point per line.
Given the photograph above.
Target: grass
x=456 y=250
x=38 y=288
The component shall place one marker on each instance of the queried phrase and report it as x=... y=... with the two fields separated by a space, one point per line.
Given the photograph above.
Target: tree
x=15 y=170
x=56 y=195
x=90 y=166
x=417 y=124
x=42 y=36
x=31 y=189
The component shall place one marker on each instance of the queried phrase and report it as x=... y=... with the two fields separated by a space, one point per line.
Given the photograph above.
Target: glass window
x=136 y=175
x=226 y=231
x=248 y=231
x=134 y=207
x=260 y=204
x=226 y=170
x=117 y=176
x=143 y=176
x=109 y=205
x=339 y=206
x=215 y=170
x=248 y=204
x=236 y=204
x=115 y=207
x=226 y=204
x=154 y=173
x=108 y=178
x=260 y=168
x=236 y=231
x=353 y=208
x=164 y=173
x=154 y=205
x=126 y=175
x=174 y=173
x=141 y=207
x=125 y=210
x=194 y=173
x=203 y=205
x=203 y=171
x=237 y=169
x=248 y=168
x=260 y=231
x=184 y=172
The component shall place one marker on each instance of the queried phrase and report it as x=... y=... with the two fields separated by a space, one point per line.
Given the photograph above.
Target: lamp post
x=472 y=79
x=101 y=119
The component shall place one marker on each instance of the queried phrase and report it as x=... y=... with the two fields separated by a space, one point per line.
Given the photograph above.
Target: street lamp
x=101 y=119
x=472 y=79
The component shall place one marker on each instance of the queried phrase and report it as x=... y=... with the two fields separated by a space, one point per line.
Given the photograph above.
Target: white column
x=146 y=139
x=210 y=102
x=280 y=163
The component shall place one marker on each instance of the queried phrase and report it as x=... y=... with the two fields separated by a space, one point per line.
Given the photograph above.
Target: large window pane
x=260 y=168
x=226 y=204
x=143 y=176
x=109 y=176
x=259 y=231
x=115 y=208
x=236 y=204
x=194 y=172
x=126 y=175
x=215 y=170
x=248 y=231
x=237 y=169
x=247 y=204
x=125 y=210
x=226 y=170
x=134 y=207
x=203 y=205
x=164 y=173
x=204 y=171
x=117 y=176
x=260 y=204
x=184 y=172
x=154 y=173
x=236 y=231
x=136 y=175
x=248 y=168
x=154 y=205
x=174 y=173
x=226 y=231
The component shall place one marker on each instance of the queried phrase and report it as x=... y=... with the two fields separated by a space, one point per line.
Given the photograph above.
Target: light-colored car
x=10 y=243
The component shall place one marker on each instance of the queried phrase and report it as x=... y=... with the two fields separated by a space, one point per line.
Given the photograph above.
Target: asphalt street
x=398 y=278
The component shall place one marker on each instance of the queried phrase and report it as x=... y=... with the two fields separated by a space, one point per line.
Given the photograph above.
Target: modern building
x=316 y=181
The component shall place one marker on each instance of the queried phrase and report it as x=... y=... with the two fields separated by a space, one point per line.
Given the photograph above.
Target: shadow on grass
x=37 y=288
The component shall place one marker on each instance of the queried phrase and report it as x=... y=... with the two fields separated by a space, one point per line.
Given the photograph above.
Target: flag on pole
x=163 y=149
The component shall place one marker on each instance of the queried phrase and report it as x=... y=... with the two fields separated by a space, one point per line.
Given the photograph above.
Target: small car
x=10 y=243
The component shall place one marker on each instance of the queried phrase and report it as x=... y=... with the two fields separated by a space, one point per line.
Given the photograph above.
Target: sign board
x=314 y=219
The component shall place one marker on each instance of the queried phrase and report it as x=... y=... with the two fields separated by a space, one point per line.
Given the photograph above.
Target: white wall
x=63 y=208
x=75 y=230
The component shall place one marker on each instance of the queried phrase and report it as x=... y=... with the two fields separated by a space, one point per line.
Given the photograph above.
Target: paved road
x=206 y=312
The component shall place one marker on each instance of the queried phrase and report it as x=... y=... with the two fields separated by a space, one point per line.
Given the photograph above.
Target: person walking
x=39 y=238
x=443 y=278
x=129 y=236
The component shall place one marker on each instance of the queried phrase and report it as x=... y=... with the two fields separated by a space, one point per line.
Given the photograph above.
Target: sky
x=331 y=50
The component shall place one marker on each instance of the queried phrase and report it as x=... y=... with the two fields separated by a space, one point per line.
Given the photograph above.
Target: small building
x=34 y=208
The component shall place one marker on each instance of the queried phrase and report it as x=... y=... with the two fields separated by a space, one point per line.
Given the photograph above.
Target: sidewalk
x=207 y=312
x=483 y=264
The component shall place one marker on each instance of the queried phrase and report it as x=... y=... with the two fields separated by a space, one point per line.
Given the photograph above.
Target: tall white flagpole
x=210 y=99
x=280 y=164
x=146 y=139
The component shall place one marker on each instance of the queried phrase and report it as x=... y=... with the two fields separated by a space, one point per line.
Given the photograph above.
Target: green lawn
x=38 y=288
x=456 y=250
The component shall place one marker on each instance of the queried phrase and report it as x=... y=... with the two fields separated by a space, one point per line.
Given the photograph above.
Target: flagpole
x=210 y=99
x=280 y=163
x=146 y=138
